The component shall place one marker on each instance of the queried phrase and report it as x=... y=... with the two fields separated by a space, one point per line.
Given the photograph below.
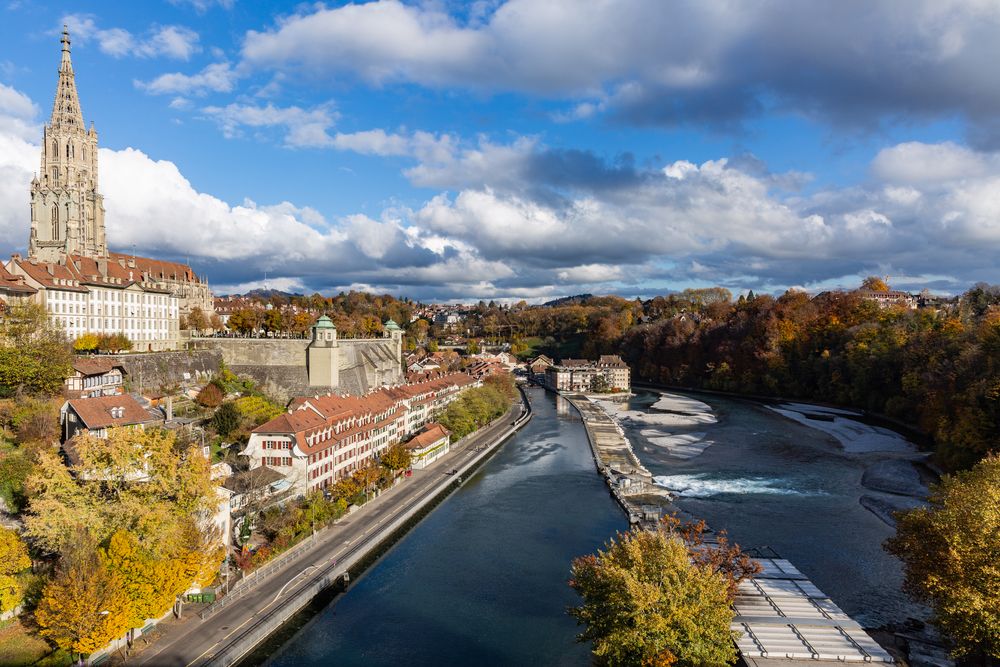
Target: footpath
x=227 y=631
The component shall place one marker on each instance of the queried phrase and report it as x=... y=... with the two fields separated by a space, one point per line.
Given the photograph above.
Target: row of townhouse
x=322 y=439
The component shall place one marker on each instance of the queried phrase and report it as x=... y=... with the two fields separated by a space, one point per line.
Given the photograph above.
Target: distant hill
x=569 y=300
x=264 y=294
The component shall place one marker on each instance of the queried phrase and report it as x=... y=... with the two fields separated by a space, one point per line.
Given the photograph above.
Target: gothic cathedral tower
x=67 y=211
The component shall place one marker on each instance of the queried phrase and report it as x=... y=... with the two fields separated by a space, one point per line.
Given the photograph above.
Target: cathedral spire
x=66 y=107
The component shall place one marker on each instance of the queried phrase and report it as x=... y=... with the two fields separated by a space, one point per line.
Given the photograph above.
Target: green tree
x=273 y=321
x=227 y=418
x=950 y=551
x=34 y=354
x=646 y=603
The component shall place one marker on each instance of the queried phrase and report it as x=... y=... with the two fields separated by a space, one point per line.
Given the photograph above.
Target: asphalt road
x=195 y=641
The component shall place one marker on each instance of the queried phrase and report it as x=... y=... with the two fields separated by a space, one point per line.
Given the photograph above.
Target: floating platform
x=784 y=620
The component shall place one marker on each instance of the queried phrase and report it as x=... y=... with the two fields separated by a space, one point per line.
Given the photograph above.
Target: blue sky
x=518 y=149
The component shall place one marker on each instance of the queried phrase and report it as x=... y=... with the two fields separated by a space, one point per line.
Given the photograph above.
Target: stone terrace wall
x=155 y=370
x=255 y=351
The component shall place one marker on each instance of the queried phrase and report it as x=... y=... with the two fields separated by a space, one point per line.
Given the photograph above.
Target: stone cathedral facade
x=67 y=211
x=85 y=287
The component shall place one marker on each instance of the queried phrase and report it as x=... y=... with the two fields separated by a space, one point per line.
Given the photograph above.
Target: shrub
x=210 y=396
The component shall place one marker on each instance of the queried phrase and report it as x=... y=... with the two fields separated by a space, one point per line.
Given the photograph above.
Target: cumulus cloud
x=550 y=221
x=651 y=62
x=171 y=41
x=215 y=77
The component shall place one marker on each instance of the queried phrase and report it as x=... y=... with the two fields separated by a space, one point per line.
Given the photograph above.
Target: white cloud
x=719 y=221
x=302 y=127
x=722 y=62
x=202 y=6
x=216 y=78
x=171 y=41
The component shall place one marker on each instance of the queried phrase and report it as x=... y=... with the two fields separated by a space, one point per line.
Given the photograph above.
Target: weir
x=782 y=618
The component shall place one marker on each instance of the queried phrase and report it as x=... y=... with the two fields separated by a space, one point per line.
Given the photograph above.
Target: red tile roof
x=96 y=412
x=13 y=284
x=430 y=434
x=316 y=419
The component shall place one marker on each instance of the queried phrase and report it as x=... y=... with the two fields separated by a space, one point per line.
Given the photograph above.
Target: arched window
x=67 y=148
x=55 y=148
x=55 y=222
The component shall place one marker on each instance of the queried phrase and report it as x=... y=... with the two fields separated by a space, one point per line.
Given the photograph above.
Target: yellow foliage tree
x=87 y=342
x=13 y=559
x=151 y=584
x=647 y=603
x=85 y=606
x=951 y=556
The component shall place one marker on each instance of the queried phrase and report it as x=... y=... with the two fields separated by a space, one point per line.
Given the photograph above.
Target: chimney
x=49 y=268
x=170 y=408
x=16 y=257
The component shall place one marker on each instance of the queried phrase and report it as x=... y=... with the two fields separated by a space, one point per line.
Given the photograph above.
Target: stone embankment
x=629 y=481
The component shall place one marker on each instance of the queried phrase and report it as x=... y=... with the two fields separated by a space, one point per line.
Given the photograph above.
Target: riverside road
x=195 y=641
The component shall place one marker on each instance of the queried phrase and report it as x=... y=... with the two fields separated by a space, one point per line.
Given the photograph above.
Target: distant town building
x=887 y=298
x=539 y=365
x=324 y=438
x=608 y=374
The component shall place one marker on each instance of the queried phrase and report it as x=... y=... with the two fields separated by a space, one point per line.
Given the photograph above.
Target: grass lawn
x=18 y=646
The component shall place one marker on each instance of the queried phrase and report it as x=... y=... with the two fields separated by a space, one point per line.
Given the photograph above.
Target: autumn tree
x=950 y=552
x=196 y=320
x=85 y=606
x=397 y=457
x=35 y=356
x=875 y=284
x=85 y=343
x=135 y=480
x=13 y=560
x=645 y=602
x=210 y=396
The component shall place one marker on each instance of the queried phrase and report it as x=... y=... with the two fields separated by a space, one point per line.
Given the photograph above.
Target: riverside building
x=608 y=373
x=324 y=438
x=85 y=287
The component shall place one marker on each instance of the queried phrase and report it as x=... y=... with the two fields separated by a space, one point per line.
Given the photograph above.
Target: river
x=482 y=580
